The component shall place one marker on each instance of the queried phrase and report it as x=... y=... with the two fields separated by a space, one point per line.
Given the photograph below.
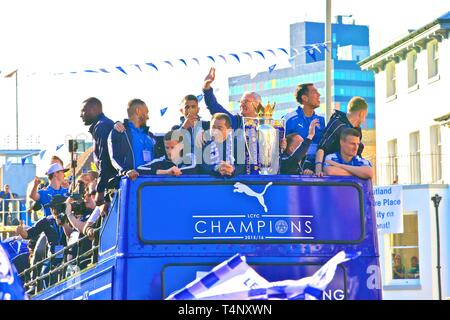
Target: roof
x=438 y=27
x=445 y=120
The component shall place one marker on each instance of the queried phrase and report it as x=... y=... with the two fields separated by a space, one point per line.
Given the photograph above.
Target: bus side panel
x=158 y=277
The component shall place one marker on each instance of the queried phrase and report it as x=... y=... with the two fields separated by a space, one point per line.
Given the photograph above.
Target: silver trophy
x=263 y=135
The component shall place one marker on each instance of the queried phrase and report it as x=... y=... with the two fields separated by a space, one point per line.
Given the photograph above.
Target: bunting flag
x=183 y=61
x=211 y=58
x=152 y=65
x=223 y=58
x=163 y=111
x=261 y=54
x=23 y=159
x=196 y=60
x=272 y=67
x=169 y=63
x=121 y=70
x=93 y=166
x=59 y=146
x=234 y=279
x=7 y=165
x=236 y=56
x=42 y=153
x=9 y=75
x=138 y=66
x=324 y=46
x=316 y=47
x=272 y=52
x=104 y=70
x=200 y=97
x=248 y=54
x=283 y=50
x=311 y=52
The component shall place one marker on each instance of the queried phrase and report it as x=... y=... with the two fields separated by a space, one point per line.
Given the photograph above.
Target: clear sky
x=45 y=37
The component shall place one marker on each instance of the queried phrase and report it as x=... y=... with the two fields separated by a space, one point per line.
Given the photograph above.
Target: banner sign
x=237 y=212
x=389 y=208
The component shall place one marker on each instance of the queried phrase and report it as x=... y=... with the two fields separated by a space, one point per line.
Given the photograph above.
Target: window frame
x=412 y=68
x=391 y=89
x=415 y=172
x=436 y=153
x=388 y=250
x=433 y=58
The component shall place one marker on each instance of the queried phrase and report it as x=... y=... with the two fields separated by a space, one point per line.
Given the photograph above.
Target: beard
x=88 y=121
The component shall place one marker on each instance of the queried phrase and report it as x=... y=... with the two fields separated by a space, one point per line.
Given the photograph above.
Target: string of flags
x=233 y=57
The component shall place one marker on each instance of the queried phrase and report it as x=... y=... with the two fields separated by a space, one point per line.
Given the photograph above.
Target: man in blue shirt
x=356 y=115
x=135 y=146
x=100 y=127
x=298 y=121
x=346 y=162
x=248 y=103
x=44 y=196
x=6 y=195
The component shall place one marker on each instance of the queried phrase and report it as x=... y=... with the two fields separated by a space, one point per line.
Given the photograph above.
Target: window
x=414 y=147
x=404 y=253
x=436 y=154
x=412 y=68
x=390 y=79
x=433 y=58
x=392 y=169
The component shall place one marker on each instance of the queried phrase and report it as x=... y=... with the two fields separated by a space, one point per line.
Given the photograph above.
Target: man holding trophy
x=254 y=128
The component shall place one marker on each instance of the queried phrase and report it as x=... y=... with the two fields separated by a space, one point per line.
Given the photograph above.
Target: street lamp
x=436 y=200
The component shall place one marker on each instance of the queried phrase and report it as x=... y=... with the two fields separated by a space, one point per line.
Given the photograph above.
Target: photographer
x=79 y=212
x=55 y=229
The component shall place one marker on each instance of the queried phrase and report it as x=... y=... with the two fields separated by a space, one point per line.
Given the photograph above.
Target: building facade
x=412 y=80
x=350 y=44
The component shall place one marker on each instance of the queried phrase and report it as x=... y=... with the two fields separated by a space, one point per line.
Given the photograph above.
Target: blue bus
x=163 y=232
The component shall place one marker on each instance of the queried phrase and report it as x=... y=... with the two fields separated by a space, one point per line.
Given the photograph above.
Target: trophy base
x=266 y=171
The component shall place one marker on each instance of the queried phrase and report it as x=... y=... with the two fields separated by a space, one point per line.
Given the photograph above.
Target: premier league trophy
x=263 y=135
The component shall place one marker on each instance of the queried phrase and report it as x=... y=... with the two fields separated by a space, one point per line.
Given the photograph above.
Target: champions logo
x=253 y=226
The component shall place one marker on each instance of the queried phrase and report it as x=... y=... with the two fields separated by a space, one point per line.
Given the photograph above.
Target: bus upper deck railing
x=12 y=211
x=35 y=283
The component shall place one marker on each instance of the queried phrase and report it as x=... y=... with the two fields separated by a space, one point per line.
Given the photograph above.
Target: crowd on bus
x=194 y=146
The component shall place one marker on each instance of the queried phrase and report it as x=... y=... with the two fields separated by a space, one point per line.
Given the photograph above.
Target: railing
x=411 y=169
x=10 y=210
x=35 y=283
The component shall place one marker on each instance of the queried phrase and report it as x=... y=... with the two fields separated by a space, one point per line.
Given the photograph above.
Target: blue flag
x=231 y=280
x=163 y=111
x=41 y=154
x=272 y=67
x=121 y=70
x=11 y=287
x=59 y=146
x=152 y=65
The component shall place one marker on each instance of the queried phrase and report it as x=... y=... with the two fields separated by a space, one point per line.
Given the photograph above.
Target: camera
x=79 y=206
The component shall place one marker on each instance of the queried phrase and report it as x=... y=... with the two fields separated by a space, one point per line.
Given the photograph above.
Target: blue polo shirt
x=4 y=195
x=45 y=196
x=297 y=122
x=356 y=161
x=142 y=145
